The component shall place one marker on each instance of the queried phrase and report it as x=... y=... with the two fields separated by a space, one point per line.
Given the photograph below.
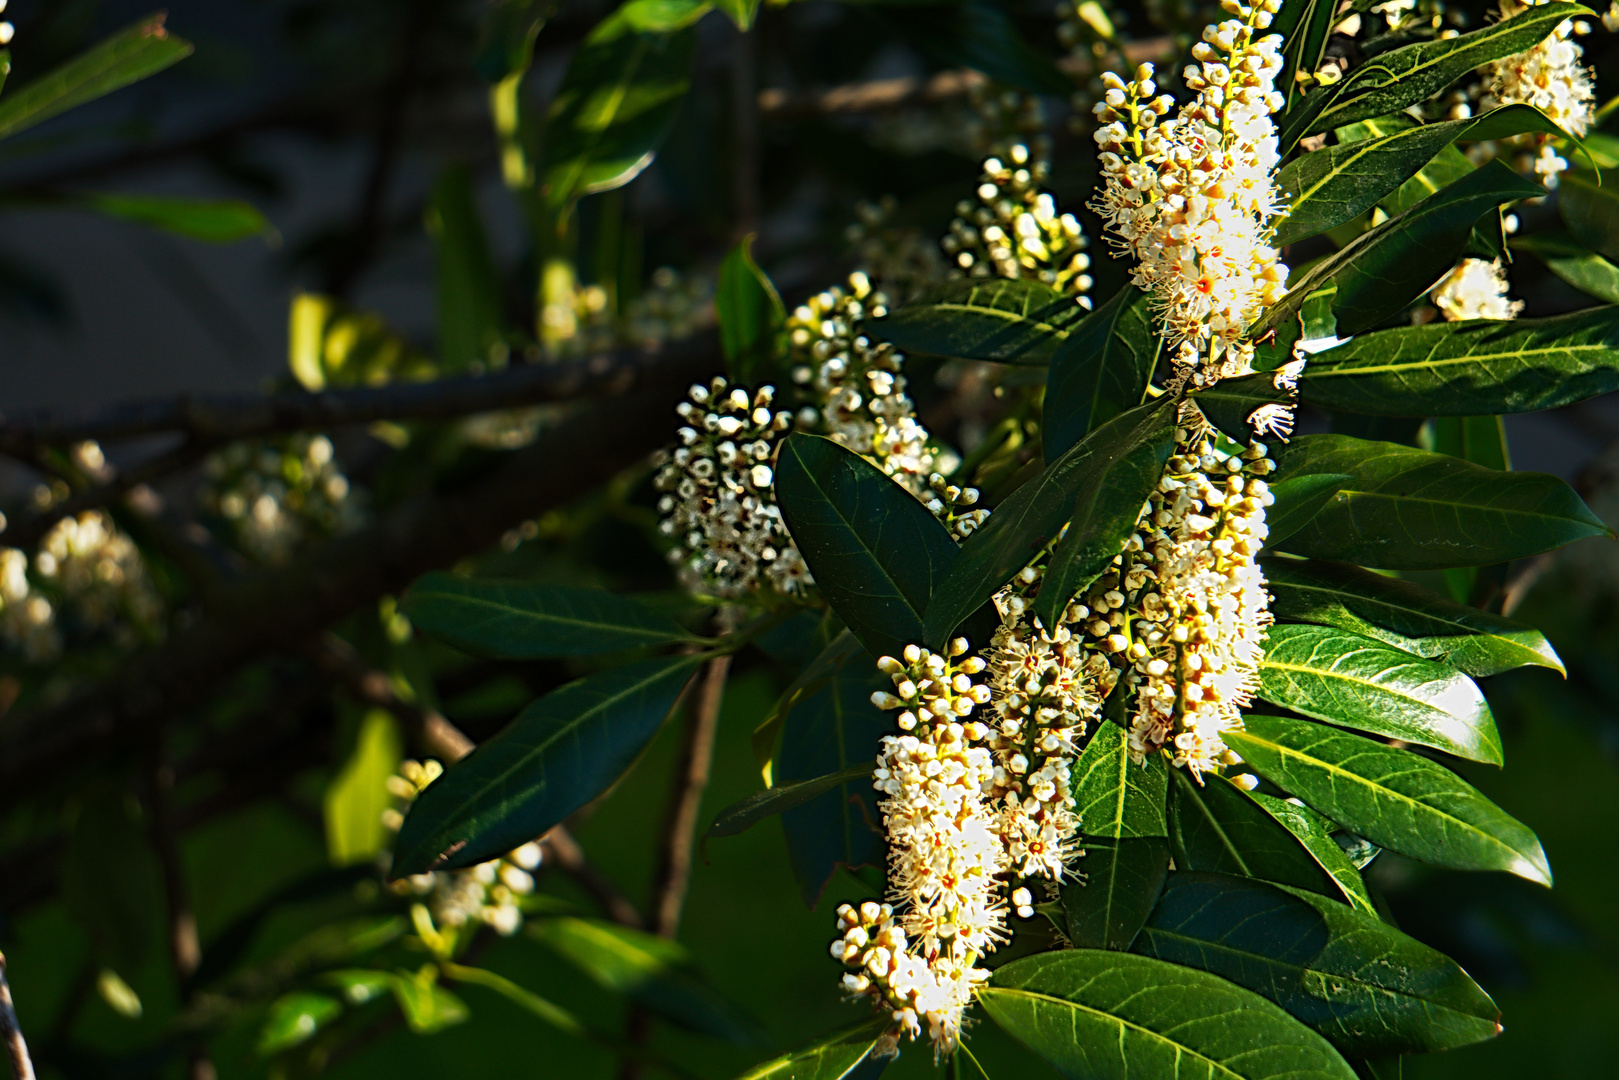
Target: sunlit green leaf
x=1014 y=322
x=1315 y=833
x=1114 y=798
x=295 y=1017
x=358 y=795
x=751 y=316
x=848 y=1055
x=427 y=1006
x=1117 y=883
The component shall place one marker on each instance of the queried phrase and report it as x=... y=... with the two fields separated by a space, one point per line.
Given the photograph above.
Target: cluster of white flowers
x=578 y=319
x=1476 y=289
x=88 y=578
x=276 y=496
x=1551 y=77
x=945 y=855
x=719 y=502
x=1014 y=230
x=1186 y=605
x=1192 y=198
x=485 y=894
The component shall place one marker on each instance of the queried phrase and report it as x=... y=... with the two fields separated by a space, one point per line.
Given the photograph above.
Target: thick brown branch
x=22 y=1066
x=220 y=418
x=278 y=609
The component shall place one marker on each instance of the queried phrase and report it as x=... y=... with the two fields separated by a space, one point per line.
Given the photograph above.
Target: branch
x=278 y=609
x=22 y=1066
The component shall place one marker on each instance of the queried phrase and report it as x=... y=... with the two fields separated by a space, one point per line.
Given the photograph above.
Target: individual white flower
x=1550 y=76
x=1192 y=197
x=1476 y=289
x=719 y=502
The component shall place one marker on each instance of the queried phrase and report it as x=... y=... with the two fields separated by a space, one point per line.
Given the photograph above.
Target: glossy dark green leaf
x=1304 y=26
x=848 y=1055
x=1100 y=1015
x=1579 y=266
x=1117 y=884
x=130 y=55
x=1216 y=827
x=1298 y=500
x=741 y=816
x=614 y=107
x=1383 y=269
x=1590 y=209
x=877 y=554
x=470 y=317
x=1394 y=80
x=1106 y=506
x=1315 y=833
x=519 y=620
x=1469 y=368
x=1359 y=682
x=1030 y=519
x=1114 y=798
x=751 y=316
x=837 y=730
x=1408 y=509
x=1394 y=798
x=1101 y=370
x=1014 y=322
x=562 y=751
x=650 y=970
x=1405 y=615
x=1368 y=988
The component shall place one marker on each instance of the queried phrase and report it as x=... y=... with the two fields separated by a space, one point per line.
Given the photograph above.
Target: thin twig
x=22 y=1066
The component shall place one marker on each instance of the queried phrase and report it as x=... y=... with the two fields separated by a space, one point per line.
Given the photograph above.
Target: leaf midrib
x=1348 y=367
x=1001 y=313
x=509 y=611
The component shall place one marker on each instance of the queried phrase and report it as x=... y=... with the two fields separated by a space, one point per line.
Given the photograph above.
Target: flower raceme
x=1192 y=197
x=1476 y=289
x=1549 y=76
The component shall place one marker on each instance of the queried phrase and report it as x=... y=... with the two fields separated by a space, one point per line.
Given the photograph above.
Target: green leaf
x=877 y=554
x=294 y=1018
x=560 y=752
x=1304 y=26
x=1077 y=483
x=649 y=970
x=1584 y=269
x=1392 y=81
x=1590 y=209
x=1358 y=682
x=1107 y=503
x=358 y=795
x=517 y=620
x=130 y=55
x=1100 y=1015
x=1383 y=269
x=1405 y=615
x=1215 y=826
x=1230 y=403
x=1368 y=988
x=470 y=320
x=1101 y=369
x=834 y=730
x=1013 y=322
x=751 y=316
x=660 y=16
x=766 y=737
x=218 y=221
x=741 y=816
x=848 y=1055
x=506 y=40
x=614 y=107
x=1469 y=368
x=1315 y=833
x=1394 y=798
x=1119 y=881
x=741 y=12
x=1408 y=509
x=521 y=996
x=1113 y=798
x=1298 y=500
x=427 y=1006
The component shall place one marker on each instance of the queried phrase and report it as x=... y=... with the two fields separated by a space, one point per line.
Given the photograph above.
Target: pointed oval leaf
x=1409 y=509
x=1405 y=615
x=519 y=620
x=1368 y=988
x=1114 y=798
x=1117 y=884
x=741 y=816
x=1470 y=368
x=1013 y=322
x=1216 y=827
x=1392 y=797
x=1100 y=370
x=1099 y=1015
x=1298 y=500
x=1033 y=515
x=1582 y=268
x=848 y=1055
x=1358 y=682
x=877 y=554
x=751 y=317
x=562 y=751
x=1315 y=833
x=1304 y=26
x=616 y=103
